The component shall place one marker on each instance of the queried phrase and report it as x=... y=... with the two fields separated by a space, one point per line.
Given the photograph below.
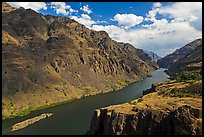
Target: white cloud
x=151 y=16
x=86 y=9
x=157 y=5
x=62 y=8
x=72 y=10
x=84 y=19
x=85 y=16
x=103 y=21
x=161 y=36
x=188 y=11
x=128 y=20
x=29 y=5
x=111 y=29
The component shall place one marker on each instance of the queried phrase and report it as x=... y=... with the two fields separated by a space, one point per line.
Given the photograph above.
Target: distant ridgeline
x=187 y=59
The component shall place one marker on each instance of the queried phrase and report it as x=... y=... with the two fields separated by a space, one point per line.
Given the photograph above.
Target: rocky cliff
x=49 y=59
x=167 y=108
x=174 y=108
x=179 y=54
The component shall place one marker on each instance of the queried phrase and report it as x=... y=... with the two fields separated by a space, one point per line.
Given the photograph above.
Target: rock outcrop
x=156 y=113
x=183 y=120
x=49 y=59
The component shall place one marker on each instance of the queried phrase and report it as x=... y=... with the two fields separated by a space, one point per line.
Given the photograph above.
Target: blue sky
x=160 y=27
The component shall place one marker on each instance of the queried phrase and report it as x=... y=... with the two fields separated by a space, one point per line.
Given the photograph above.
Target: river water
x=74 y=118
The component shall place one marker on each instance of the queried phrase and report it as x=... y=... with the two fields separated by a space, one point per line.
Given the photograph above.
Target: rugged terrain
x=191 y=63
x=167 y=108
x=173 y=108
x=180 y=54
x=48 y=59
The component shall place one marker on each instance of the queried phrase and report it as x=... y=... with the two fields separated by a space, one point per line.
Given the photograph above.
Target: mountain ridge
x=49 y=59
x=166 y=61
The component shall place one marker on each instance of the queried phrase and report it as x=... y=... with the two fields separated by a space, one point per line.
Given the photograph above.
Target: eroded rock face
x=48 y=59
x=156 y=113
x=183 y=120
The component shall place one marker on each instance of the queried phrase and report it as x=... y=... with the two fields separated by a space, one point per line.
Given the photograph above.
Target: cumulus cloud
x=128 y=20
x=84 y=19
x=85 y=16
x=161 y=36
x=110 y=29
x=188 y=11
x=86 y=9
x=177 y=24
x=62 y=8
x=29 y=5
x=157 y=5
x=151 y=15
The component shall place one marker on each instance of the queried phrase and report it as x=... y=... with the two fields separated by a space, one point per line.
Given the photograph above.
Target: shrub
x=178 y=93
x=184 y=76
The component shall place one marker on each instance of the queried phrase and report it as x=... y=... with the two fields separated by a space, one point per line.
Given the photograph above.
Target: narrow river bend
x=74 y=118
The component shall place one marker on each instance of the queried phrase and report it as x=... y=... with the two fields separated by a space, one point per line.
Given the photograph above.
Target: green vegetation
x=126 y=83
x=184 y=76
x=24 y=112
x=178 y=93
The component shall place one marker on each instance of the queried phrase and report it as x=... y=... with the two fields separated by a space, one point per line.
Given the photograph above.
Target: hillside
x=168 y=60
x=49 y=59
x=167 y=108
x=191 y=63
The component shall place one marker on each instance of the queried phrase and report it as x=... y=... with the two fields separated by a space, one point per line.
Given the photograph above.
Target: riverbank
x=119 y=85
x=29 y=110
x=71 y=113
x=172 y=107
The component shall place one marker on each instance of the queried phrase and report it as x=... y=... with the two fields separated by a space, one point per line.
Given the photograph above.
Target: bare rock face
x=183 y=120
x=48 y=59
x=161 y=111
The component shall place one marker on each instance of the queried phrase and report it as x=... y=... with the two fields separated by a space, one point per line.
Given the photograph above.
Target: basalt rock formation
x=48 y=59
x=161 y=112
